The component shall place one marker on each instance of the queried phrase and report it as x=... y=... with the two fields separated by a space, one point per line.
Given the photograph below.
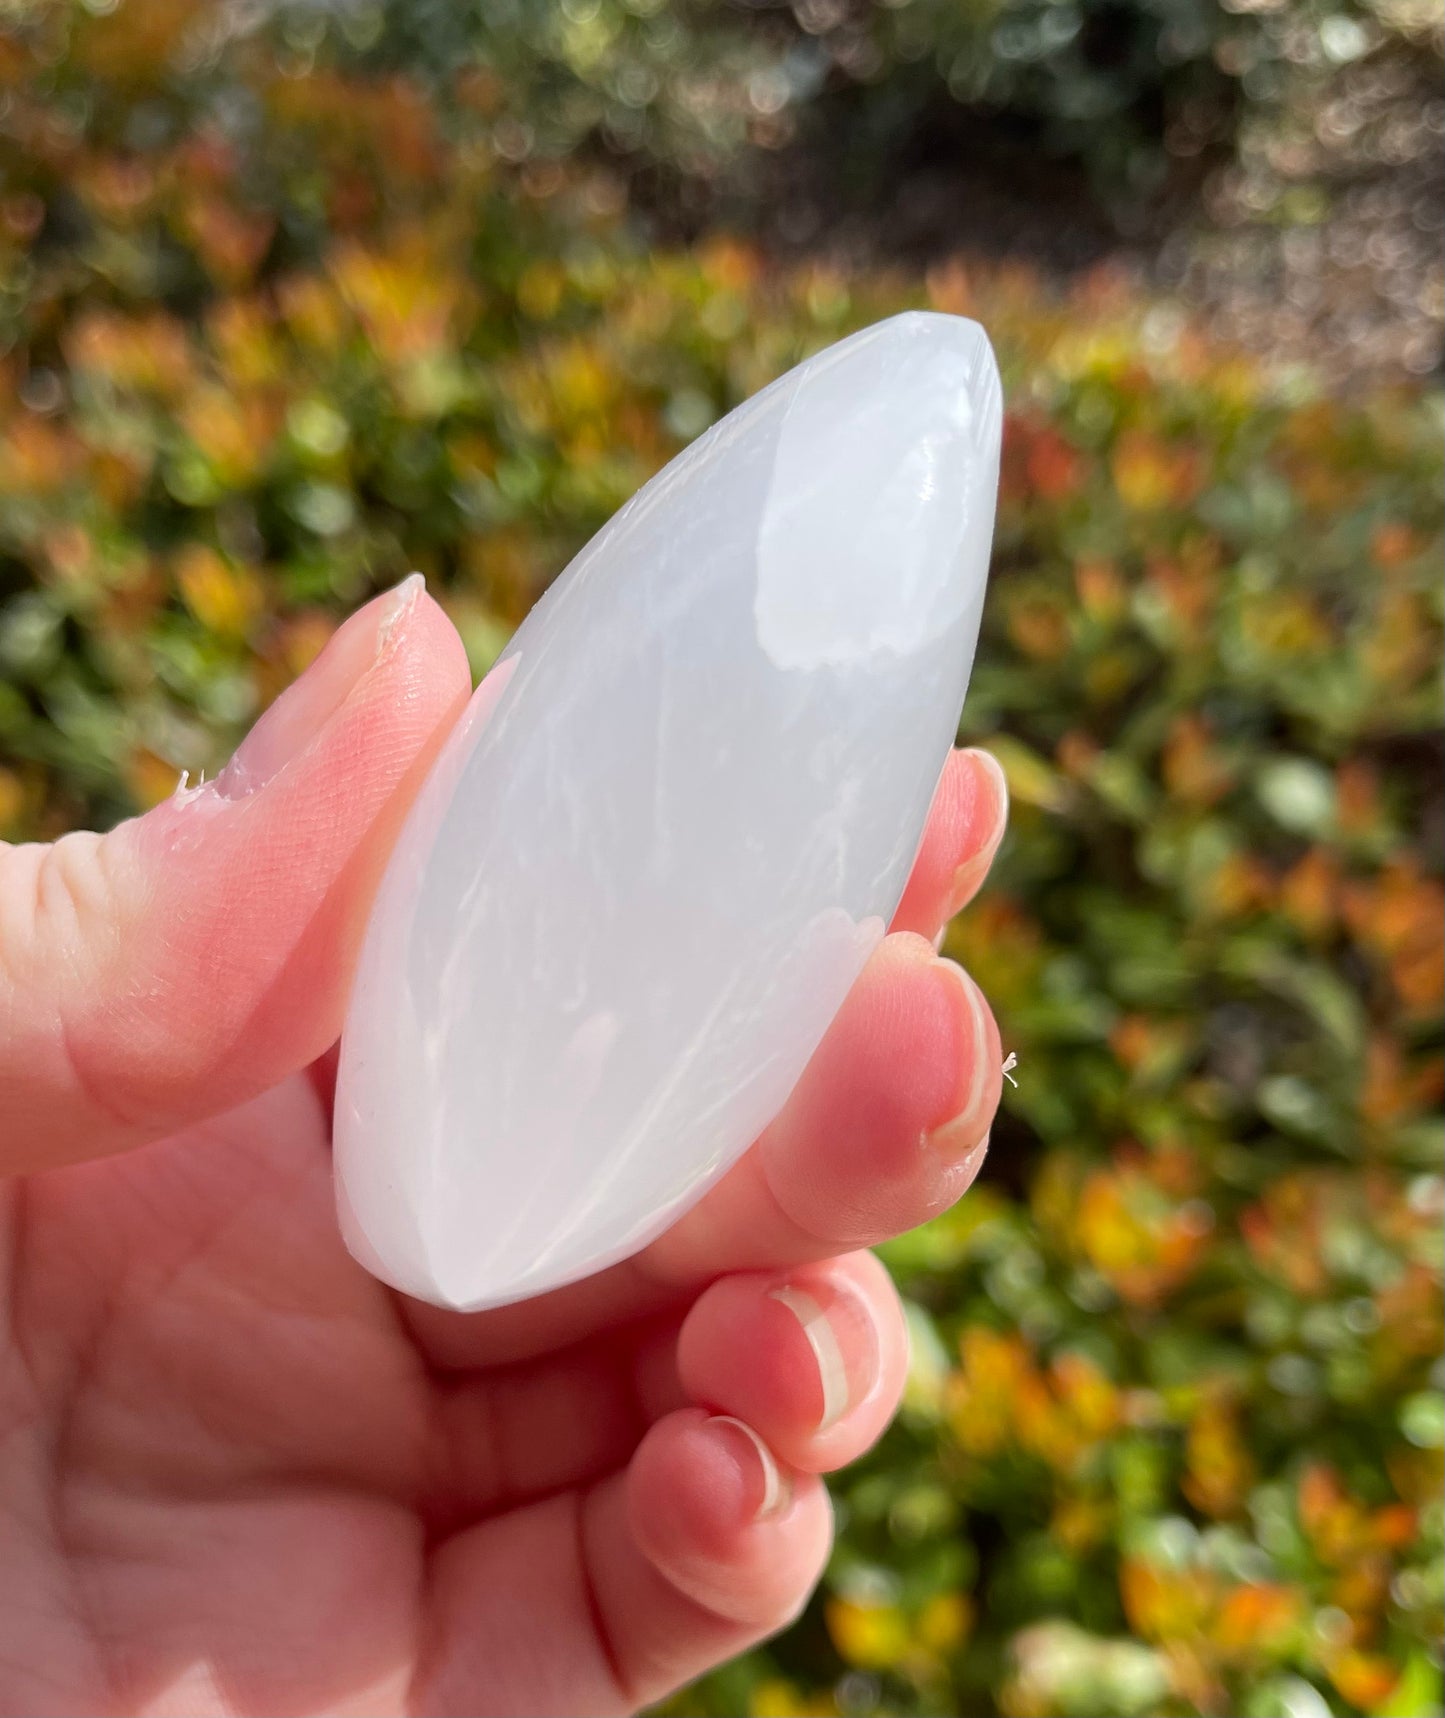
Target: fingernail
x=838 y=1326
x=770 y=1485
x=305 y=707
x=962 y=1136
x=968 y=878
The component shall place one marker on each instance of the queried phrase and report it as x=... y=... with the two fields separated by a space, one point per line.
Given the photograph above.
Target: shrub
x=1173 y=1436
x=688 y=88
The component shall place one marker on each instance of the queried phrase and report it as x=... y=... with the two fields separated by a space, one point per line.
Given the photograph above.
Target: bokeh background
x=295 y=297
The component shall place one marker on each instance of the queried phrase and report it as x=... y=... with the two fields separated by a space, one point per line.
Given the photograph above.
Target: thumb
x=193 y=957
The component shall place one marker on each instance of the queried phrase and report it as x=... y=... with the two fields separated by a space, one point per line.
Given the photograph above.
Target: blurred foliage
x=1123 y=85
x=275 y=332
x=687 y=87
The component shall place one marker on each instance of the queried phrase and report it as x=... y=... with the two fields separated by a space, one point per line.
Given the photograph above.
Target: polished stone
x=672 y=825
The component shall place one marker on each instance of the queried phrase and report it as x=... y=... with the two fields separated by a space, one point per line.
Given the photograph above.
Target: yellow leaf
x=224 y=599
x=944 y=1622
x=1030 y=779
x=12 y=799
x=874 y=1637
x=149 y=778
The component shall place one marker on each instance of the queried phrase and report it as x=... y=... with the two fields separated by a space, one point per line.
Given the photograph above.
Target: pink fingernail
x=773 y=1487
x=305 y=707
x=837 y=1324
x=968 y=878
x=964 y=1135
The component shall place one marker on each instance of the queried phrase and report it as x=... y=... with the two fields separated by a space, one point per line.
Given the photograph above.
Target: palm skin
x=222 y=1429
x=239 y=1475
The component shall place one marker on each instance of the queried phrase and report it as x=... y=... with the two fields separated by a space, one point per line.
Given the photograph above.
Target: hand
x=238 y=1474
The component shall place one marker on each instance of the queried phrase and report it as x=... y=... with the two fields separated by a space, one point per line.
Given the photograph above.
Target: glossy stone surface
x=672 y=825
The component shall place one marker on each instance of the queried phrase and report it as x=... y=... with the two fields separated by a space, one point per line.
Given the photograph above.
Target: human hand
x=237 y=1474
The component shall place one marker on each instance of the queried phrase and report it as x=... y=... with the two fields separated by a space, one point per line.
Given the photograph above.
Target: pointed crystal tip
x=877 y=527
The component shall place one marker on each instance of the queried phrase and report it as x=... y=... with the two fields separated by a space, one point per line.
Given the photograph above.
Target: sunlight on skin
x=244 y=1478
x=195 y=1693
x=378 y=1699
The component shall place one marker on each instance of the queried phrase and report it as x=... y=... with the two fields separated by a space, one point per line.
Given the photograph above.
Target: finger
x=714 y=1545
x=814 y=1359
x=965 y=826
x=194 y=956
x=514 y=1434
x=603 y=1601
x=886 y=1127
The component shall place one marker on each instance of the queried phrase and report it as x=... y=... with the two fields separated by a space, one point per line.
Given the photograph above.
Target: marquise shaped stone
x=670 y=828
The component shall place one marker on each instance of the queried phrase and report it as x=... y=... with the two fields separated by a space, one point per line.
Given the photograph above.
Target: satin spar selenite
x=670 y=828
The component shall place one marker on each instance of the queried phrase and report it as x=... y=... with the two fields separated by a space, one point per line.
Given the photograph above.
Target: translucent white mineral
x=674 y=821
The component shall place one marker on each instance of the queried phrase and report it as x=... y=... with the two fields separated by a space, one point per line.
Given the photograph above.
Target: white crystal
x=672 y=825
